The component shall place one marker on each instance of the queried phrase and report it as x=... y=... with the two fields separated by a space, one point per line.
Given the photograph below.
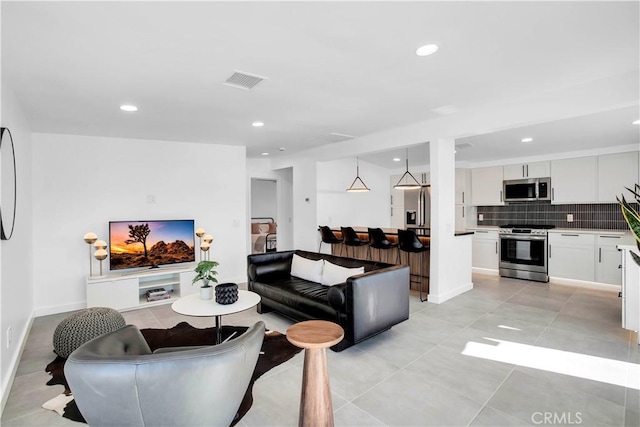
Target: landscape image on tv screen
x=135 y=244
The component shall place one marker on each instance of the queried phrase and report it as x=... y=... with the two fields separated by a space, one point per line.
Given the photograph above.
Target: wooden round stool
x=315 y=336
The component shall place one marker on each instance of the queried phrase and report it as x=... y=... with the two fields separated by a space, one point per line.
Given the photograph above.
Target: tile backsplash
x=601 y=216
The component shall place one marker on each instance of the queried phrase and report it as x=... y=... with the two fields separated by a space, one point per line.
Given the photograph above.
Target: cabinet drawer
x=610 y=240
x=569 y=238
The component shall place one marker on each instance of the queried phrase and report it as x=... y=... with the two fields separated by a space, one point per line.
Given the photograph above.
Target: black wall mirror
x=8 y=185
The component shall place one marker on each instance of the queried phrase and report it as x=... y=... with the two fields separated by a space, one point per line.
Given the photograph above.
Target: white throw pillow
x=307 y=269
x=334 y=274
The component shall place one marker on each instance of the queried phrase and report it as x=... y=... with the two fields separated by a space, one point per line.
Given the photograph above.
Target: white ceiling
x=332 y=67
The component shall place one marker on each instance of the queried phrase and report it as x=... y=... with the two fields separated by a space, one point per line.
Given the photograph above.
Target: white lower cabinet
x=609 y=259
x=126 y=292
x=630 y=290
x=587 y=256
x=571 y=256
x=485 y=251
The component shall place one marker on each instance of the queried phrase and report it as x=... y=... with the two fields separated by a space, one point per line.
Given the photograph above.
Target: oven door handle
x=525 y=238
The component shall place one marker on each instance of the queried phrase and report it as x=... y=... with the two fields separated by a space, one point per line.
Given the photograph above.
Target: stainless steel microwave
x=526 y=190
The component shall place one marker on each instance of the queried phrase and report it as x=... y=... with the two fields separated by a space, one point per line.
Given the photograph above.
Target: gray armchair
x=117 y=381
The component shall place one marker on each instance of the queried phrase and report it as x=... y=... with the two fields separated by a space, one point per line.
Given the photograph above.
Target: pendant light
x=408 y=184
x=362 y=187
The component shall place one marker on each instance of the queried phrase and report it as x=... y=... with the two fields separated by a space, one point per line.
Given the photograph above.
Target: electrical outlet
x=480 y=217
x=569 y=217
x=9 y=336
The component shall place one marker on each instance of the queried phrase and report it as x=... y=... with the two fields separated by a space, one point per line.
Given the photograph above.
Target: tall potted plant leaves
x=632 y=217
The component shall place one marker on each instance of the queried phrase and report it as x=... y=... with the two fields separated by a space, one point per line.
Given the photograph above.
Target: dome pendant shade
x=361 y=187
x=410 y=181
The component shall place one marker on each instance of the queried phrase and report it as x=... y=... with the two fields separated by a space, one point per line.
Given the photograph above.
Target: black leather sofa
x=365 y=305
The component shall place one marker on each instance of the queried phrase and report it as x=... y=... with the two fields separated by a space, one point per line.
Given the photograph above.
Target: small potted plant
x=206 y=271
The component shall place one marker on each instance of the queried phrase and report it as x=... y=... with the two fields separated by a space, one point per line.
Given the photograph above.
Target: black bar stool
x=409 y=242
x=351 y=239
x=328 y=237
x=378 y=240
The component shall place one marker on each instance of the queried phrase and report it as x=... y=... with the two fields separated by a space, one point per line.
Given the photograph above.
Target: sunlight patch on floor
x=595 y=368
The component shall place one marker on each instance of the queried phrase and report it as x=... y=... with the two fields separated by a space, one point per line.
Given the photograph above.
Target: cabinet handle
x=569 y=235
x=600 y=255
x=391 y=198
x=523 y=175
x=463 y=197
x=527 y=171
x=549 y=251
x=610 y=237
x=553 y=194
x=391 y=210
x=463 y=212
x=500 y=196
x=496 y=247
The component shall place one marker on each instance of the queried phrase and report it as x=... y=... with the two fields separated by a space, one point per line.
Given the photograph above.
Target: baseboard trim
x=439 y=299
x=13 y=367
x=489 y=271
x=55 y=309
x=585 y=284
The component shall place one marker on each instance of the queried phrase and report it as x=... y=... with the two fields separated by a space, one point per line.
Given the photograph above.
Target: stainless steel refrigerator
x=417 y=205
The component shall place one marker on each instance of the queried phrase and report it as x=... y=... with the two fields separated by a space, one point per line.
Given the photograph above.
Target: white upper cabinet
x=615 y=172
x=486 y=186
x=463 y=186
x=527 y=170
x=574 y=180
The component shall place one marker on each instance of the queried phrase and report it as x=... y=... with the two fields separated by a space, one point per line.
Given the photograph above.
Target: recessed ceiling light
x=265 y=154
x=527 y=139
x=637 y=122
x=427 y=49
x=281 y=148
x=257 y=124
x=396 y=159
x=129 y=108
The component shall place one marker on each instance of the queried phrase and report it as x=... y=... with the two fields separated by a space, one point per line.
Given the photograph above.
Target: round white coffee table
x=192 y=305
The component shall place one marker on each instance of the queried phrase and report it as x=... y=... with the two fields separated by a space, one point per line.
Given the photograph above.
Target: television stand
x=127 y=291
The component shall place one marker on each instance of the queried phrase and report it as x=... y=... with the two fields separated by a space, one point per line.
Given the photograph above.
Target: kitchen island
x=390 y=256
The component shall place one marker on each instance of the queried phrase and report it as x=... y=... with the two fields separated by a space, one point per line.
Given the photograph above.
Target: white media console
x=126 y=291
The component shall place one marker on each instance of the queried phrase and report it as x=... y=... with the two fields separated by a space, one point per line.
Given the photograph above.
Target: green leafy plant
x=206 y=271
x=632 y=217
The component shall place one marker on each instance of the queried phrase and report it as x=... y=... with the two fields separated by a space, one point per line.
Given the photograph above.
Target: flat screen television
x=136 y=244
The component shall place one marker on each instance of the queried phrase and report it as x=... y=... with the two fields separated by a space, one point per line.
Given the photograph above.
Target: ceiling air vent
x=339 y=137
x=243 y=80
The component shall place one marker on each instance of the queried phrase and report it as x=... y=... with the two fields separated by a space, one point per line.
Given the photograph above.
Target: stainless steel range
x=523 y=251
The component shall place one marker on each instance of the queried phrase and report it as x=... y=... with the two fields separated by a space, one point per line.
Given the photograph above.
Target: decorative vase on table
x=206 y=292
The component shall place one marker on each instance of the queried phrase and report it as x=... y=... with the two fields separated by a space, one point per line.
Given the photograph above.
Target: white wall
x=305 y=224
x=16 y=256
x=80 y=183
x=337 y=207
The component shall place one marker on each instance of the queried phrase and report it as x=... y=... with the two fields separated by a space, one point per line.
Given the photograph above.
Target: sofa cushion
x=299 y=294
x=333 y=274
x=307 y=269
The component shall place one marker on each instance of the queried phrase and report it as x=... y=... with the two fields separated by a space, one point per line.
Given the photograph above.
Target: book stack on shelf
x=157 y=294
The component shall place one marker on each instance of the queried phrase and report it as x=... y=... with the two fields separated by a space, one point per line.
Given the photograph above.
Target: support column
x=449 y=255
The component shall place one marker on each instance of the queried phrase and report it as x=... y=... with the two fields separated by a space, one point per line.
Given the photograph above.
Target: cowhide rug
x=275 y=350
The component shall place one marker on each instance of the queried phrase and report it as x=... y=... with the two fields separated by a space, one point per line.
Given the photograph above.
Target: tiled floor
x=495 y=356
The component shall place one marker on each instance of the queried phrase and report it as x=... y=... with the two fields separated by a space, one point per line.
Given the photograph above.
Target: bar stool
x=408 y=242
x=328 y=237
x=351 y=239
x=378 y=240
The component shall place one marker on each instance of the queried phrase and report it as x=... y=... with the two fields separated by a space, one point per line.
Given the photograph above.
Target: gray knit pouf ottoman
x=83 y=326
